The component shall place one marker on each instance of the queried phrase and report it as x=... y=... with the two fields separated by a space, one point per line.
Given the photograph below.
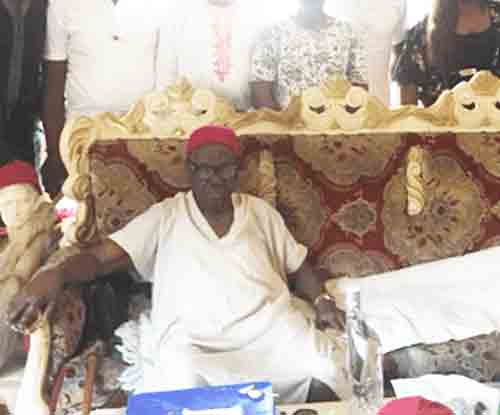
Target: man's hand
x=327 y=313
x=53 y=174
x=37 y=297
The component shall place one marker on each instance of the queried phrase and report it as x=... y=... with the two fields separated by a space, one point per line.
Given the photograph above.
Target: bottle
x=363 y=359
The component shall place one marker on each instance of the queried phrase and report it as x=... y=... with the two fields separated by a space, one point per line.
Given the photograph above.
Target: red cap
x=18 y=172
x=212 y=134
x=414 y=405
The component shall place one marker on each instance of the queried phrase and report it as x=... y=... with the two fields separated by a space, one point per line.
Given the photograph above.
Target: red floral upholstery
x=345 y=197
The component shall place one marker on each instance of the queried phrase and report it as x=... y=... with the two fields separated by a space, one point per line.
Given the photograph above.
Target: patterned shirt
x=481 y=50
x=295 y=58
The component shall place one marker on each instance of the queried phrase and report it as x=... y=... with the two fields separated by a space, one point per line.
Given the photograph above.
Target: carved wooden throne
x=367 y=188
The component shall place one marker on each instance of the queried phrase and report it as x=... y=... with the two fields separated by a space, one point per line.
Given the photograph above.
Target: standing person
x=457 y=39
x=100 y=56
x=209 y=43
x=22 y=33
x=302 y=52
x=383 y=25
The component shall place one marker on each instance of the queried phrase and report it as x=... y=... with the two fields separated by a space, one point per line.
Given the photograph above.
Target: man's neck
x=224 y=208
x=219 y=218
x=311 y=19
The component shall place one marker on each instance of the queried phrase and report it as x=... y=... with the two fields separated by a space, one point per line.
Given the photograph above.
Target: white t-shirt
x=211 y=47
x=383 y=24
x=221 y=293
x=110 y=50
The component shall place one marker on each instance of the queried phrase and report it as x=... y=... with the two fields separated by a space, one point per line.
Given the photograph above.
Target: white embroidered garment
x=221 y=307
x=210 y=46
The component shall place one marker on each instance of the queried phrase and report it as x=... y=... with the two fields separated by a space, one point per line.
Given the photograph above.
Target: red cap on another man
x=213 y=134
x=414 y=405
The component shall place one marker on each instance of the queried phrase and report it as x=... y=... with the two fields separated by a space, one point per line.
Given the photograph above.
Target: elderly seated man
x=219 y=262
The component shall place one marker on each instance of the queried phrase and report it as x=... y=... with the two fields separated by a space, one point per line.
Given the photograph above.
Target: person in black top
x=457 y=39
x=22 y=38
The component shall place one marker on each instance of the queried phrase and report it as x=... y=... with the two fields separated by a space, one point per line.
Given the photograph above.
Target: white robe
x=222 y=310
x=211 y=47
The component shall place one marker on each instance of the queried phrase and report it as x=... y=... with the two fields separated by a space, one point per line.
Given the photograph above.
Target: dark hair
x=441 y=30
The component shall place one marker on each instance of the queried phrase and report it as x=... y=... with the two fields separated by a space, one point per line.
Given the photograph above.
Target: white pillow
x=451 y=299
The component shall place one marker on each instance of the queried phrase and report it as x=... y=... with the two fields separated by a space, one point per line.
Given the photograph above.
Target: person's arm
x=53 y=105
x=135 y=244
x=48 y=282
x=264 y=70
x=262 y=95
x=408 y=94
x=357 y=71
x=309 y=285
x=53 y=118
x=307 y=282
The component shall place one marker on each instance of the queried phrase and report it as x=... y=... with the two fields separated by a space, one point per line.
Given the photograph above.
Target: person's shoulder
x=280 y=27
x=169 y=205
x=337 y=24
x=494 y=7
x=259 y=206
x=65 y=3
x=418 y=32
x=60 y=4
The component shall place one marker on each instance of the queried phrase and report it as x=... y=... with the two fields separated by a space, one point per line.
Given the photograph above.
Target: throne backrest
x=129 y=175
x=368 y=190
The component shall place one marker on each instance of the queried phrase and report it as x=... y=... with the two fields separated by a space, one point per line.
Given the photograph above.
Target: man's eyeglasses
x=225 y=171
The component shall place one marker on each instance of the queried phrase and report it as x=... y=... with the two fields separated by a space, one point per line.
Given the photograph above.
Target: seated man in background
x=100 y=57
x=302 y=52
x=210 y=44
x=383 y=25
x=22 y=32
x=219 y=262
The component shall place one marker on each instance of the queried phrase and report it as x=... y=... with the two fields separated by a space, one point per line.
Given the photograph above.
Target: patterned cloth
x=477 y=358
x=411 y=66
x=296 y=58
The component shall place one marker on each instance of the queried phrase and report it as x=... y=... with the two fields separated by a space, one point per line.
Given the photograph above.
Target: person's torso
x=308 y=57
x=17 y=126
x=381 y=27
x=477 y=50
x=483 y=53
x=218 y=291
x=111 y=54
x=214 y=48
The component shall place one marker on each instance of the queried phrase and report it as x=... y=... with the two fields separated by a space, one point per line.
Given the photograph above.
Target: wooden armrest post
x=31 y=395
x=89 y=384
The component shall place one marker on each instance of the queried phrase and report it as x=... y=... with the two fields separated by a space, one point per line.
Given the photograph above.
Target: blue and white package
x=241 y=399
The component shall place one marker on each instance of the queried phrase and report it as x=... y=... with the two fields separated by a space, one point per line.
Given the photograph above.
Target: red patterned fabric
x=343 y=196
x=18 y=172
